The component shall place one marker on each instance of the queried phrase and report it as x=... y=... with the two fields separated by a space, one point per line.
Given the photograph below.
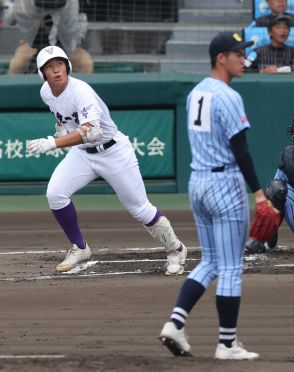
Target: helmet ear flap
x=41 y=74
x=69 y=70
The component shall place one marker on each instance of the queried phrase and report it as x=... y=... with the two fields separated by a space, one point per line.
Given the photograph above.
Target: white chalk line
x=96 y=250
x=64 y=276
x=85 y=265
x=53 y=356
x=77 y=271
x=29 y=252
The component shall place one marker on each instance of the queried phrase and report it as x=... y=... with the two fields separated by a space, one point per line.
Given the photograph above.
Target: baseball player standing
x=217 y=126
x=98 y=148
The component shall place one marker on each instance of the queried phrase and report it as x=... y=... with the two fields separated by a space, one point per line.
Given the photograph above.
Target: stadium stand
x=261 y=8
x=149 y=35
x=260 y=37
x=260 y=34
x=198 y=22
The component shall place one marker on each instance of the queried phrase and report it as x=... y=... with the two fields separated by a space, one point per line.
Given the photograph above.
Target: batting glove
x=41 y=145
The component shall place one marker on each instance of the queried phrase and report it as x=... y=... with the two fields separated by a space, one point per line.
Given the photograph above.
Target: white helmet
x=48 y=53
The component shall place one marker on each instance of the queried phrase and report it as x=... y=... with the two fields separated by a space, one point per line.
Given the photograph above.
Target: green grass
x=110 y=202
x=30 y=203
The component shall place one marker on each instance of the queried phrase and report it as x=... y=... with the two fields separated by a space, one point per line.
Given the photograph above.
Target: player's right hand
x=41 y=145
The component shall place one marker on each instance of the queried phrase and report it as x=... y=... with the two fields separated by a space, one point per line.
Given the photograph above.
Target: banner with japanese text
x=152 y=134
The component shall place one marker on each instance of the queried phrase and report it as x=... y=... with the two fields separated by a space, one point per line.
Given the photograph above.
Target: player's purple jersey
x=215 y=114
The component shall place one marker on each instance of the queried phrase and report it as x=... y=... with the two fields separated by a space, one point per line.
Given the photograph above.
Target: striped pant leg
x=205 y=272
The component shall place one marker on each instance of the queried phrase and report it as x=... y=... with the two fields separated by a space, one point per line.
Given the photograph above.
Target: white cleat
x=175 y=264
x=236 y=352
x=175 y=340
x=74 y=256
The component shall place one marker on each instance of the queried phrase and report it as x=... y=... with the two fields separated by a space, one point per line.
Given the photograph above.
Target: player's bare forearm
x=71 y=139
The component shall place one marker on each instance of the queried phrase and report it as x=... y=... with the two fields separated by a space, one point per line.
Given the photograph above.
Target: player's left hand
x=265 y=222
x=41 y=145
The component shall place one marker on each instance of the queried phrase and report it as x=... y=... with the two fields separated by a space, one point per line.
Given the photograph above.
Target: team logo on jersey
x=49 y=50
x=84 y=112
x=237 y=37
x=244 y=119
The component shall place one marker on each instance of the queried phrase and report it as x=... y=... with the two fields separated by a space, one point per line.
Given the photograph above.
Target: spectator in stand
x=277 y=7
x=48 y=22
x=276 y=56
x=1 y=11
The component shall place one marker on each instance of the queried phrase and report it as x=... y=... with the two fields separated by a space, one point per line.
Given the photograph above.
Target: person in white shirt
x=98 y=148
x=43 y=22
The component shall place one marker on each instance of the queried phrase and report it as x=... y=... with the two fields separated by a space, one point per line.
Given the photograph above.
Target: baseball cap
x=279 y=18
x=227 y=41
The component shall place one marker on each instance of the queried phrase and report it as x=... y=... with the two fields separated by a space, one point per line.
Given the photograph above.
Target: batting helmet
x=48 y=53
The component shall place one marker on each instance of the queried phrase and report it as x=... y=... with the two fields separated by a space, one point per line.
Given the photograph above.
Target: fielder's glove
x=41 y=145
x=266 y=221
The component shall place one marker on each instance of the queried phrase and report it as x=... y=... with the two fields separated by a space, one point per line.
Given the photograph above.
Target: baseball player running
x=217 y=126
x=98 y=148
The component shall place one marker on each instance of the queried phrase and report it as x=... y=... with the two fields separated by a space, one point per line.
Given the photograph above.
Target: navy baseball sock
x=228 y=310
x=68 y=220
x=190 y=293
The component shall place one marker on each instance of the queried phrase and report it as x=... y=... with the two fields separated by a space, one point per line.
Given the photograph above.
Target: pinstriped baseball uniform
x=217 y=190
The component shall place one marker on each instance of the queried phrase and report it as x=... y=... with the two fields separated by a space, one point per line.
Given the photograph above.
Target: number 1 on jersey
x=199 y=111
x=198 y=120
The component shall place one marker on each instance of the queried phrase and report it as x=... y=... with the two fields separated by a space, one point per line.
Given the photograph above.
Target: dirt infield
x=106 y=315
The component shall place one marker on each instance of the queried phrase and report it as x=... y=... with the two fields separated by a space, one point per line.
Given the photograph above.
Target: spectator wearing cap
x=276 y=56
x=277 y=7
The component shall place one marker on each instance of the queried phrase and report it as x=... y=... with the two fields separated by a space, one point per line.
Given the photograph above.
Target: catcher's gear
x=290 y=131
x=272 y=243
x=276 y=191
x=41 y=145
x=254 y=246
x=265 y=222
x=287 y=163
x=48 y=53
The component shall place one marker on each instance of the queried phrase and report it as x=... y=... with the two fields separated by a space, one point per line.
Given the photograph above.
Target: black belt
x=218 y=169
x=106 y=145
